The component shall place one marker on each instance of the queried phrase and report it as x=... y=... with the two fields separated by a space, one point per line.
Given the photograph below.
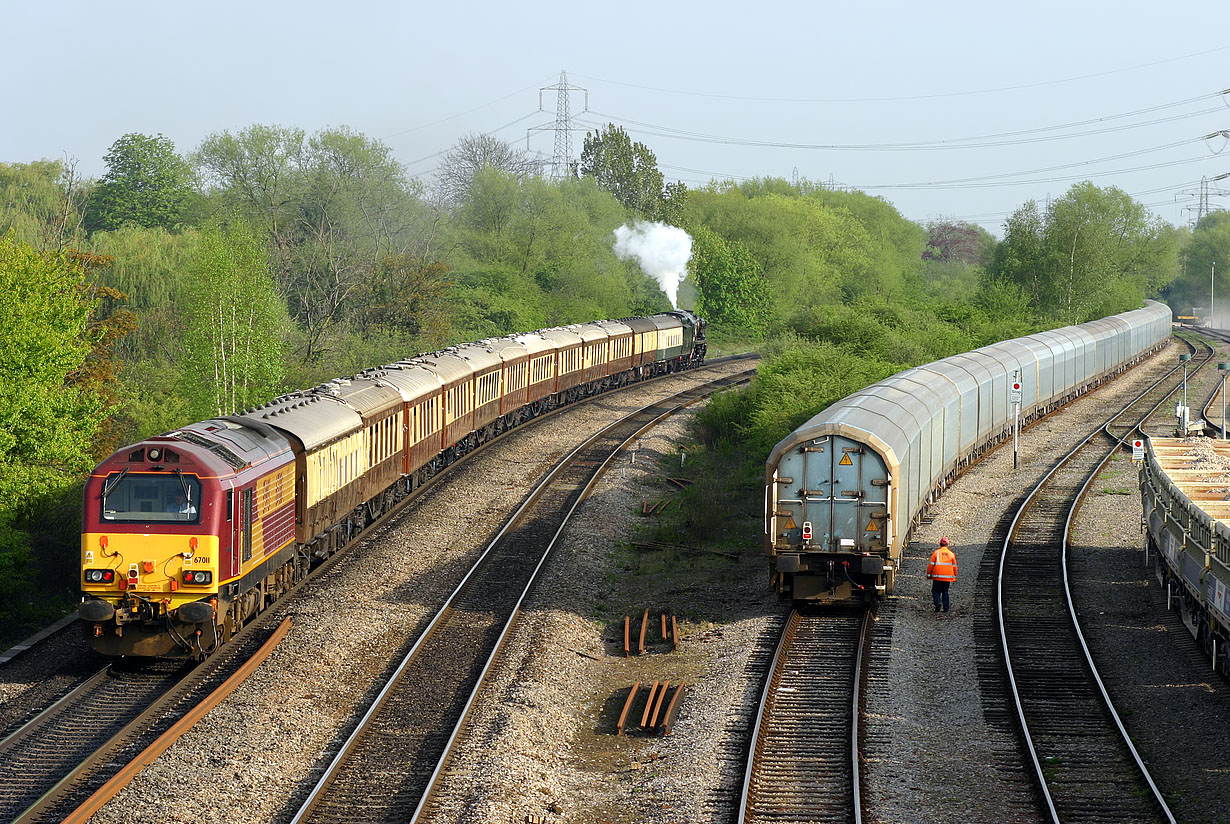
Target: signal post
x=1015 y=398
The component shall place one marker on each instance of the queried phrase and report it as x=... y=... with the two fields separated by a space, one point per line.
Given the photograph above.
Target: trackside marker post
x=1015 y=398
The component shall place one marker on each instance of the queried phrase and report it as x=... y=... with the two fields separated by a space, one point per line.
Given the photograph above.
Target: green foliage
x=796 y=379
x=46 y=420
x=146 y=184
x=732 y=290
x=331 y=206
x=897 y=244
x=629 y=171
x=529 y=253
x=234 y=324
x=812 y=256
x=41 y=203
x=148 y=267
x=1094 y=252
x=1208 y=244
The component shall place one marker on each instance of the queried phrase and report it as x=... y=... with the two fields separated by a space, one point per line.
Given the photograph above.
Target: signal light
x=807 y=532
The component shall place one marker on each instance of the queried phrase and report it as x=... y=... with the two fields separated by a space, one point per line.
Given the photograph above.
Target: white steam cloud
x=662 y=251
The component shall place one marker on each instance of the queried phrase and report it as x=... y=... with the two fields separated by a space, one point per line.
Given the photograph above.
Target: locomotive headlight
x=100 y=576
x=198 y=577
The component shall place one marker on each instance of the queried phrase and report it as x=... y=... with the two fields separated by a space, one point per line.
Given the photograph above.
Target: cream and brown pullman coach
x=190 y=533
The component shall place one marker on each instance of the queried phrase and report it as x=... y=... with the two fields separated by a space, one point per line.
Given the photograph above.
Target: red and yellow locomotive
x=189 y=534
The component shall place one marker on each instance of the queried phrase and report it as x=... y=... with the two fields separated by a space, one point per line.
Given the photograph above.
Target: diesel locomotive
x=845 y=489
x=189 y=534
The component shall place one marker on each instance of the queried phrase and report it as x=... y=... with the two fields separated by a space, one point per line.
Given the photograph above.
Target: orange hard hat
x=943 y=542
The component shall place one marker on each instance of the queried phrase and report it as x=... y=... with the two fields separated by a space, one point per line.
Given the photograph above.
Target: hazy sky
x=715 y=89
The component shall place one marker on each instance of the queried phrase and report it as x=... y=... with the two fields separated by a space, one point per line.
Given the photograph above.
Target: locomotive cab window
x=146 y=499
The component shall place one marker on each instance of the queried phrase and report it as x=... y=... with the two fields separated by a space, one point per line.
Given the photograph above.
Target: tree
x=43 y=202
x=732 y=290
x=630 y=172
x=1095 y=252
x=1205 y=268
x=408 y=299
x=146 y=184
x=472 y=154
x=1019 y=258
x=331 y=206
x=235 y=325
x=956 y=240
x=48 y=414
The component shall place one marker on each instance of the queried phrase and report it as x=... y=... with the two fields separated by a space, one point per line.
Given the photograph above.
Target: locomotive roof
x=219 y=447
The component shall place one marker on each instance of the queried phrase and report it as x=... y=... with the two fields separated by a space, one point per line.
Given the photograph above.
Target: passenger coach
x=189 y=534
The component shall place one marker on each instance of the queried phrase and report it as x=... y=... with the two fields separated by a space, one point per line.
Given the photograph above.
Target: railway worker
x=942 y=570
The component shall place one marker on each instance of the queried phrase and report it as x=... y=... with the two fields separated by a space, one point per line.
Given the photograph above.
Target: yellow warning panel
x=845 y=461
x=872 y=526
x=790 y=522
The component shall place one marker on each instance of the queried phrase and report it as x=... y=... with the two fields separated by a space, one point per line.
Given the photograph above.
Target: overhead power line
x=921 y=145
x=903 y=98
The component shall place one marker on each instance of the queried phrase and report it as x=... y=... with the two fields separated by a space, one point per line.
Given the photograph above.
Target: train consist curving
x=189 y=534
x=1185 y=494
x=845 y=489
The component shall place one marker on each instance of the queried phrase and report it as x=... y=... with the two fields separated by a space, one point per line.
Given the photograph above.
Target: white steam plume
x=662 y=251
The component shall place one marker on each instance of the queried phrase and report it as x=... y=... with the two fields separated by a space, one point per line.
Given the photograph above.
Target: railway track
x=1086 y=767
x=804 y=761
x=57 y=758
x=1158 y=420
x=36 y=756
x=55 y=762
x=387 y=767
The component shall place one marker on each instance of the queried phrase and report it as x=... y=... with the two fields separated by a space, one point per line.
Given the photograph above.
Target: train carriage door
x=840 y=488
x=241 y=526
x=232 y=496
x=859 y=497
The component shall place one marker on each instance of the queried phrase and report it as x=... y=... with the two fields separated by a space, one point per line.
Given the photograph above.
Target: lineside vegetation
x=184 y=284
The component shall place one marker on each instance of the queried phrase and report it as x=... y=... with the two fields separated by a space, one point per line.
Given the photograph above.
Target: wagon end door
x=839 y=488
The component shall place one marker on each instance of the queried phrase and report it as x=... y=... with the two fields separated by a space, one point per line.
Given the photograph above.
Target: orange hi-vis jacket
x=943 y=566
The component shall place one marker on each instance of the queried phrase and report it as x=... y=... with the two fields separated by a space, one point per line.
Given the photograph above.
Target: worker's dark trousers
x=939 y=594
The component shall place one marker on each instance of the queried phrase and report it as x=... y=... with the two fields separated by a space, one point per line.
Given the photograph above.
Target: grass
x=703 y=539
